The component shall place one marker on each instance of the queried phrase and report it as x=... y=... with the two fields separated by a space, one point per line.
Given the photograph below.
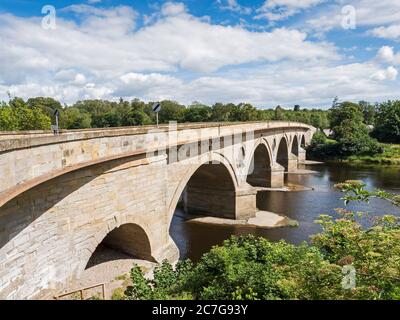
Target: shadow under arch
x=259 y=171
x=208 y=189
x=128 y=241
x=303 y=141
x=282 y=155
x=213 y=159
x=295 y=146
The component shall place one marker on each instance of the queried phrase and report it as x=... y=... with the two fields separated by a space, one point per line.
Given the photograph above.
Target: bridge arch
x=129 y=239
x=214 y=173
x=204 y=162
x=259 y=167
x=295 y=146
x=303 y=141
x=282 y=154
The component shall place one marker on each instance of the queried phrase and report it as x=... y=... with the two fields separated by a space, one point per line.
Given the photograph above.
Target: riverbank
x=390 y=156
x=263 y=219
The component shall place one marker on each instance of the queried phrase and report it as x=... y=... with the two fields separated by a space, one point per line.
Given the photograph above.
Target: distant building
x=328 y=132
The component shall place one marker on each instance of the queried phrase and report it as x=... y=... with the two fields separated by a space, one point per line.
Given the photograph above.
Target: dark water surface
x=195 y=239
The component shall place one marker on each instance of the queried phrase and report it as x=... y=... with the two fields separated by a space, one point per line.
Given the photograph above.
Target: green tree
x=198 y=113
x=387 y=124
x=279 y=113
x=368 y=111
x=74 y=118
x=350 y=131
x=221 y=112
x=17 y=115
x=171 y=111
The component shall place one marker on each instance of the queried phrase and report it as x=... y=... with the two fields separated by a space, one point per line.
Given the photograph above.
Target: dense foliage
x=387 y=124
x=350 y=133
x=344 y=261
x=102 y=113
x=18 y=115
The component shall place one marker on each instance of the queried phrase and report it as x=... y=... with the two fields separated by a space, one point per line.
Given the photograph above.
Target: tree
x=387 y=124
x=198 y=113
x=221 y=112
x=18 y=116
x=76 y=119
x=345 y=111
x=296 y=108
x=368 y=111
x=171 y=111
x=243 y=112
x=350 y=131
x=279 y=114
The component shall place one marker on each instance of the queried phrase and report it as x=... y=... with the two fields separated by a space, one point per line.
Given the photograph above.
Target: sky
x=263 y=52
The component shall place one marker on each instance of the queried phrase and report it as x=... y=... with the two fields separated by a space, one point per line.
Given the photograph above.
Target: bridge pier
x=272 y=177
x=231 y=204
x=302 y=156
x=292 y=162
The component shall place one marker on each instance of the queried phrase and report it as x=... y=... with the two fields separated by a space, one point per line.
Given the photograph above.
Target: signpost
x=156 y=108
x=55 y=127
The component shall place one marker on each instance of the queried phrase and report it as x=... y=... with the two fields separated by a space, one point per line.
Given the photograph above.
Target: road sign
x=156 y=107
x=55 y=128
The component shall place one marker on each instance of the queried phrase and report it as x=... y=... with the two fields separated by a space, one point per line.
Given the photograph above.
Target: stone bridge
x=62 y=195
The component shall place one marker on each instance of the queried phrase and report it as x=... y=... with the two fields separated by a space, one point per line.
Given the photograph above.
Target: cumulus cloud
x=387 y=54
x=275 y=10
x=234 y=6
x=102 y=53
x=369 y=13
x=390 y=73
x=391 y=32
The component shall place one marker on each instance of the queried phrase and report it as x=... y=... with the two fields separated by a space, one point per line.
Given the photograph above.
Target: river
x=305 y=206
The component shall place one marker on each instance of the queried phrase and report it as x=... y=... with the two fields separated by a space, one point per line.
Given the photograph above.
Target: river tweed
x=305 y=206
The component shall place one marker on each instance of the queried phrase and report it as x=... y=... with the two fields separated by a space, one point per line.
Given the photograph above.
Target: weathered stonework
x=61 y=196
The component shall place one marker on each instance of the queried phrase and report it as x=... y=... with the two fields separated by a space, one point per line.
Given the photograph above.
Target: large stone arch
x=303 y=141
x=130 y=238
x=295 y=148
x=240 y=199
x=282 y=153
x=188 y=171
x=260 y=165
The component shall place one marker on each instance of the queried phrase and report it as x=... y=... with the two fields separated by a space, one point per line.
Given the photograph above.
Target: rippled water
x=195 y=239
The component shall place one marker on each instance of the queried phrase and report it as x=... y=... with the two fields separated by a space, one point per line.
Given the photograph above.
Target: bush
x=254 y=268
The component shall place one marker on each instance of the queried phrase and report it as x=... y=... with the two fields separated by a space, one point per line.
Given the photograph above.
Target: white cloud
x=103 y=54
x=105 y=44
x=234 y=6
x=369 y=13
x=173 y=9
x=275 y=10
x=387 y=54
x=391 y=32
x=390 y=73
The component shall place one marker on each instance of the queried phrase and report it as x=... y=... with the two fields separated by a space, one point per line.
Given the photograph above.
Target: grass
x=391 y=156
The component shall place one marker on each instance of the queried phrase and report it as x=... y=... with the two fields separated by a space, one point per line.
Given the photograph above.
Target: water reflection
x=195 y=239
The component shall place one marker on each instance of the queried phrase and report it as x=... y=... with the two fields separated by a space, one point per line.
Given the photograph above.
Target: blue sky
x=265 y=52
